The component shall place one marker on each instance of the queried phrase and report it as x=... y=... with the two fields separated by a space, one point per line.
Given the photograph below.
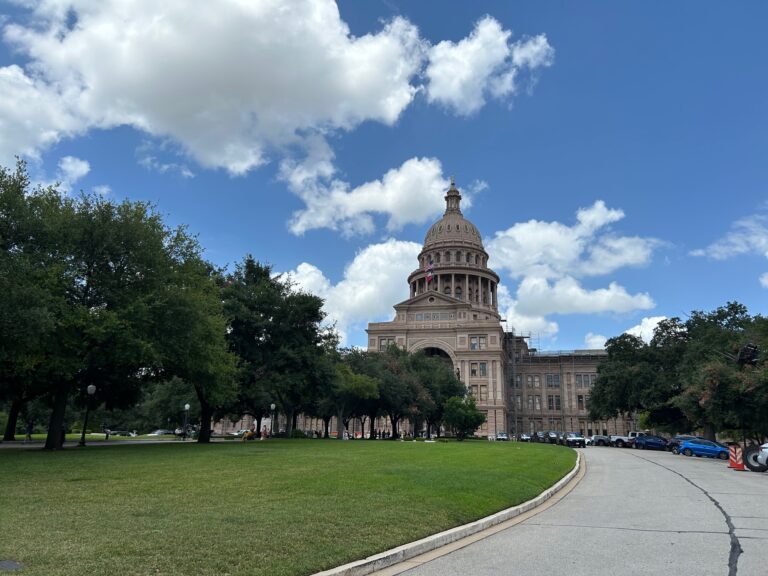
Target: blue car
x=649 y=442
x=701 y=447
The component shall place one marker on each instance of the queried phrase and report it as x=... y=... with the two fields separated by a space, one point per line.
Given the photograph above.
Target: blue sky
x=612 y=154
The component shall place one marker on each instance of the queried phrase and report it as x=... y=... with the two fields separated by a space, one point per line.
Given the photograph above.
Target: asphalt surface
x=635 y=512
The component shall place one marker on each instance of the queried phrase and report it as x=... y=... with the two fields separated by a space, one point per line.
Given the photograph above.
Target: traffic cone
x=735 y=460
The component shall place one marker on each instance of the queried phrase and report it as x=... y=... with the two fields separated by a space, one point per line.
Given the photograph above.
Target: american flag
x=430 y=271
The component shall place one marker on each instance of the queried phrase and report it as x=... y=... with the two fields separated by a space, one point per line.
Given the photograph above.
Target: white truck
x=622 y=441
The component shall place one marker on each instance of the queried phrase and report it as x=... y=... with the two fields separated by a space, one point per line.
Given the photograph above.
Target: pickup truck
x=622 y=441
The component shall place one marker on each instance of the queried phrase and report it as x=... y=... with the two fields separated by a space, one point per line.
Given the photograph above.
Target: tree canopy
x=708 y=372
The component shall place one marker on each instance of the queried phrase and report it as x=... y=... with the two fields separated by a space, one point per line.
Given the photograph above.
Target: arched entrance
x=433 y=352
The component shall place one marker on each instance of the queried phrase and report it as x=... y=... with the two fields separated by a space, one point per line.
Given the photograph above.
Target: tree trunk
x=394 y=420
x=13 y=418
x=372 y=432
x=55 y=438
x=340 y=426
x=294 y=421
x=206 y=413
x=288 y=422
x=258 y=425
x=326 y=427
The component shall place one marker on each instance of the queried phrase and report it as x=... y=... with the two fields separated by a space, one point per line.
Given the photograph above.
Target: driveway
x=635 y=512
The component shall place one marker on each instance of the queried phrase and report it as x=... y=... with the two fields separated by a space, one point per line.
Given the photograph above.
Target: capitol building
x=452 y=312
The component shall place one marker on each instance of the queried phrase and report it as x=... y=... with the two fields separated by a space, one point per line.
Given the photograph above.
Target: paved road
x=635 y=512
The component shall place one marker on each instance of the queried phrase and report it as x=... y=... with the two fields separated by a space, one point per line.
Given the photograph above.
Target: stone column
x=466 y=288
x=439 y=290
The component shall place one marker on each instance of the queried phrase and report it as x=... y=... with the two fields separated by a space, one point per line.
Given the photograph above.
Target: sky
x=612 y=154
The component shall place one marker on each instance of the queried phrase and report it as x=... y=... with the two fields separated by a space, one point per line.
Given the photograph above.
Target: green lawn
x=276 y=507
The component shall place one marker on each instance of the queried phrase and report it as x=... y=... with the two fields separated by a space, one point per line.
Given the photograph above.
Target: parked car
x=525 y=437
x=756 y=458
x=574 y=440
x=552 y=437
x=700 y=447
x=625 y=441
x=161 y=432
x=121 y=433
x=503 y=436
x=650 y=442
x=600 y=440
x=540 y=437
x=674 y=444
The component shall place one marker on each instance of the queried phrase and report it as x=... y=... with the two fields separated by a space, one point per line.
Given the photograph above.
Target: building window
x=537 y=402
x=536 y=381
x=518 y=380
x=474 y=391
x=580 y=402
x=458 y=291
x=447 y=290
x=519 y=402
x=477 y=259
x=477 y=343
x=483 y=369
x=529 y=381
x=469 y=257
x=437 y=258
x=553 y=402
x=385 y=343
x=530 y=403
x=585 y=380
x=553 y=380
x=483 y=392
x=447 y=256
x=473 y=369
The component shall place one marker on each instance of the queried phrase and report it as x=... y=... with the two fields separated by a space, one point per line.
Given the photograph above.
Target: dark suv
x=574 y=440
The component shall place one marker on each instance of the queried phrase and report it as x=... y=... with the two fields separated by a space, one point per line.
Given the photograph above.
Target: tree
x=276 y=334
x=349 y=392
x=462 y=415
x=194 y=346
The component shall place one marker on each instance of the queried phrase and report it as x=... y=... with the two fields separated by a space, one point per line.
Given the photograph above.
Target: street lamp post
x=272 y=420
x=91 y=391
x=186 y=419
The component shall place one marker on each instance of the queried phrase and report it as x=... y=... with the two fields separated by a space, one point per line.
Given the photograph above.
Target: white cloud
x=549 y=258
x=747 y=235
x=271 y=80
x=72 y=169
x=411 y=193
x=356 y=300
x=552 y=249
x=266 y=73
x=523 y=324
x=539 y=296
x=646 y=327
x=462 y=74
x=594 y=341
x=533 y=53
x=33 y=115
x=764 y=280
x=102 y=190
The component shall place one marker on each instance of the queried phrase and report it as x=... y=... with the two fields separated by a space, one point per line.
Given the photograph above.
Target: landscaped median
x=275 y=507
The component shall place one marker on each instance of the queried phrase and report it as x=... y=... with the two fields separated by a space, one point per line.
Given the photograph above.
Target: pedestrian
x=30 y=428
x=264 y=432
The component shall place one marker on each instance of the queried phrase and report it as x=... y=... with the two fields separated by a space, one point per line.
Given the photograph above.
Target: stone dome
x=453 y=229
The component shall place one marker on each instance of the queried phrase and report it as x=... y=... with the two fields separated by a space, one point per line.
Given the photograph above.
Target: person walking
x=30 y=429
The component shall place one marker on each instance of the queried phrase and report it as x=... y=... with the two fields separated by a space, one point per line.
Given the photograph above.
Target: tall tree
x=275 y=332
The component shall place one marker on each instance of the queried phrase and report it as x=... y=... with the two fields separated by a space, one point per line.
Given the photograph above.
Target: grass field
x=275 y=507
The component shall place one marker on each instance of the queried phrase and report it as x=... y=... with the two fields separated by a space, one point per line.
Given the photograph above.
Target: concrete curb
x=413 y=549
